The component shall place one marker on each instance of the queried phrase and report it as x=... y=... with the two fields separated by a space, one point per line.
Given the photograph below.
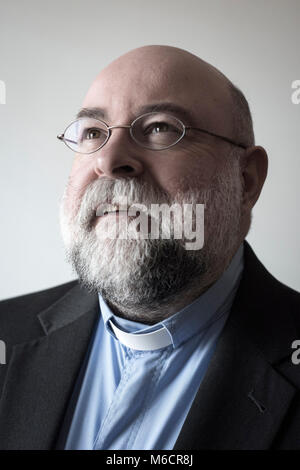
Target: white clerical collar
x=143 y=341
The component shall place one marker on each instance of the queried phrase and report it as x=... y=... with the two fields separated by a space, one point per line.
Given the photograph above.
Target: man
x=157 y=346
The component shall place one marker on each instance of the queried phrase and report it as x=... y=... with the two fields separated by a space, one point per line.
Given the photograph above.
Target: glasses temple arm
x=219 y=136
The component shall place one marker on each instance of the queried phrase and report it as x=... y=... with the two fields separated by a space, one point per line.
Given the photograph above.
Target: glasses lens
x=157 y=130
x=86 y=135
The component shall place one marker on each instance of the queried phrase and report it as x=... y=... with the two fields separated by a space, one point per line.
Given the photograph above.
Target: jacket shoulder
x=18 y=320
x=266 y=310
x=267 y=290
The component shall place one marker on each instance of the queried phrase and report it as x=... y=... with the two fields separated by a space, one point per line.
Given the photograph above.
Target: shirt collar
x=184 y=324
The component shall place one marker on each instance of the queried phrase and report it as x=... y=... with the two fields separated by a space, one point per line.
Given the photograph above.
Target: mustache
x=108 y=193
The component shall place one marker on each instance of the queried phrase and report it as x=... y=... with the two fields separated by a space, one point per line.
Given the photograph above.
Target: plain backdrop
x=50 y=51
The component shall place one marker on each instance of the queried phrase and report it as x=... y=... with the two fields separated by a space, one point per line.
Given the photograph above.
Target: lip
x=116 y=212
x=102 y=214
x=107 y=208
x=119 y=209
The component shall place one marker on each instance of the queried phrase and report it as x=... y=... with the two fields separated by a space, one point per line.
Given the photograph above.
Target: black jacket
x=248 y=399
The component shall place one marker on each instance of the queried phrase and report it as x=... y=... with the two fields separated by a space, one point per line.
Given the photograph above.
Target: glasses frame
x=109 y=129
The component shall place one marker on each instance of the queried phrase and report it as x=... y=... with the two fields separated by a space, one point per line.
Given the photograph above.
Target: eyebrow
x=173 y=108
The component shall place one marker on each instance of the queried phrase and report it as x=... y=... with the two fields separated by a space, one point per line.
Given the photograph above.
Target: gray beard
x=160 y=276
x=148 y=280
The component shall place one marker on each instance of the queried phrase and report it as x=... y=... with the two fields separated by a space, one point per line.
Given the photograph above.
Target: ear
x=254 y=171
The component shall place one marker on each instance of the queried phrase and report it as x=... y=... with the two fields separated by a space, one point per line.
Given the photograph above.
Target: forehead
x=127 y=86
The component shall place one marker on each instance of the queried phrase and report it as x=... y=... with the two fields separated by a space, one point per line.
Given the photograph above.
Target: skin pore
x=202 y=168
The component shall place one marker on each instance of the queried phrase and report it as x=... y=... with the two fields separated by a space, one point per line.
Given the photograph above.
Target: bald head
x=169 y=74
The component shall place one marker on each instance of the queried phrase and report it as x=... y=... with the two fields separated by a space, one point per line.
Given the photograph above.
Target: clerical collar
x=182 y=325
x=143 y=341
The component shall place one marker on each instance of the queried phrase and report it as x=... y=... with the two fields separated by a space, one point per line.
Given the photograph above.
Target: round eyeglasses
x=154 y=131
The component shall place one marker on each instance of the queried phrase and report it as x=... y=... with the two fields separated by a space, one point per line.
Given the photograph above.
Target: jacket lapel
x=41 y=373
x=243 y=398
x=241 y=401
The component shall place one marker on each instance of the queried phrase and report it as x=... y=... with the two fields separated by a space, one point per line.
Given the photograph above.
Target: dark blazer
x=249 y=398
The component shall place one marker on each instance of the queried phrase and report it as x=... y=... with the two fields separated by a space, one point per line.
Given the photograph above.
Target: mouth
x=108 y=209
x=116 y=212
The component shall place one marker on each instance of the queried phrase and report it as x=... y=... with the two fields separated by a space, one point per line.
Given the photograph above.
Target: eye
x=158 y=127
x=92 y=133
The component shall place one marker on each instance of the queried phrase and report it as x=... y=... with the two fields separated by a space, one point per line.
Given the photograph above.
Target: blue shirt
x=139 y=399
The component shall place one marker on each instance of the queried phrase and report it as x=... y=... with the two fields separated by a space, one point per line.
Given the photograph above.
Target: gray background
x=49 y=54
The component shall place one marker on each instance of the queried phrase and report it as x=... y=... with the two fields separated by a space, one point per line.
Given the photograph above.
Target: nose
x=119 y=157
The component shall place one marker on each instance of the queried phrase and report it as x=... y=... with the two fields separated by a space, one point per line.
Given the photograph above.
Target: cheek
x=81 y=176
x=188 y=169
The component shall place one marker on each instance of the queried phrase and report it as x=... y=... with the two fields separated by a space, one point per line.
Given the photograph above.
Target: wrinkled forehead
x=127 y=87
